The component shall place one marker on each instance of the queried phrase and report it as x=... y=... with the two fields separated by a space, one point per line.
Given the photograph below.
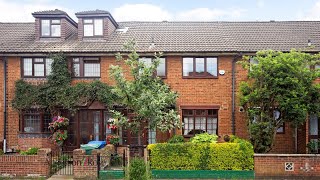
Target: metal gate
x=62 y=163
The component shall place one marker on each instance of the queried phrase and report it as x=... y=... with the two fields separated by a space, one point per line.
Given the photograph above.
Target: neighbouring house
x=199 y=63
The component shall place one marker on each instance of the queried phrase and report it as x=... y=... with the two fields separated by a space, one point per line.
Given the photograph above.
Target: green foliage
x=30 y=151
x=201 y=156
x=1 y=152
x=138 y=169
x=204 y=138
x=313 y=146
x=176 y=139
x=150 y=99
x=279 y=82
x=58 y=93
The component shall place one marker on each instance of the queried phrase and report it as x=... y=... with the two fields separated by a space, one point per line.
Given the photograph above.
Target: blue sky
x=171 y=10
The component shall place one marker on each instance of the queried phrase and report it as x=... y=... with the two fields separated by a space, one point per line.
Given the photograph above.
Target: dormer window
x=92 y=27
x=50 y=28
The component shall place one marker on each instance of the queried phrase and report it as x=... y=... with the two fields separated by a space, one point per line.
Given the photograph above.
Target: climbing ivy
x=58 y=92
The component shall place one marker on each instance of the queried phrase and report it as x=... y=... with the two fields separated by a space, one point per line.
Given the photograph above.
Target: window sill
x=199 y=77
x=34 y=135
x=86 y=78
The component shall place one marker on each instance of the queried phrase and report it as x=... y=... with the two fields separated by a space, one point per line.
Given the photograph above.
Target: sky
x=170 y=10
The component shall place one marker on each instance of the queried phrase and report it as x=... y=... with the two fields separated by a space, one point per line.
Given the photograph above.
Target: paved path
x=60 y=177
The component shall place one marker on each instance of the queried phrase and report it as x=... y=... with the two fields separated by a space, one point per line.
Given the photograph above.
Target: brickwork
x=273 y=165
x=84 y=166
x=194 y=92
x=26 y=143
x=26 y=165
x=67 y=29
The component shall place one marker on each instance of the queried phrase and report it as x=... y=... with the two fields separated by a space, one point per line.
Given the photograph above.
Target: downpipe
x=5 y=104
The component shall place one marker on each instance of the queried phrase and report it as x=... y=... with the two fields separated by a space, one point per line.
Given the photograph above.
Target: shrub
x=30 y=151
x=201 y=156
x=1 y=152
x=204 y=138
x=176 y=139
x=137 y=170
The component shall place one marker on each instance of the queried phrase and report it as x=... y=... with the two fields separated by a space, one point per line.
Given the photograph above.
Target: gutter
x=5 y=104
x=233 y=118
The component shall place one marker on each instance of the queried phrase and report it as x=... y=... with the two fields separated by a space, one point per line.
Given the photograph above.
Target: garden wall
x=279 y=165
x=26 y=165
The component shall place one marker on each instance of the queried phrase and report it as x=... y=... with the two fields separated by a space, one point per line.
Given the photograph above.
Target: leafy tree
x=150 y=100
x=280 y=82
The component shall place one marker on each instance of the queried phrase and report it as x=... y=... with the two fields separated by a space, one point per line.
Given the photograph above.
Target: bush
x=137 y=170
x=30 y=151
x=1 y=152
x=201 y=156
x=204 y=138
x=176 y=139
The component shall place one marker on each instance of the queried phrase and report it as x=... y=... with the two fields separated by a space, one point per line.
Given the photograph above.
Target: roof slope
x=175 y=37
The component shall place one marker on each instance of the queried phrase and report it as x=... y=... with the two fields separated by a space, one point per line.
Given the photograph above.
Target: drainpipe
x=233 y=123
x=5 y=104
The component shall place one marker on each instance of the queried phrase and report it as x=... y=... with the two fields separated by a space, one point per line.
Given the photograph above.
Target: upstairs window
x=86 y=67
x=92 y=27
x=50 y=28
x=200 y=67
x=161 y=69
x=36 y=67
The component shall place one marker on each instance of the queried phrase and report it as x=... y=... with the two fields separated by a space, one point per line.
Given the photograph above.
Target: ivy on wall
x=58 y=93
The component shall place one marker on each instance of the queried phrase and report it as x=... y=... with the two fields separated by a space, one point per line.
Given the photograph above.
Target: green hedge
x=202 y=156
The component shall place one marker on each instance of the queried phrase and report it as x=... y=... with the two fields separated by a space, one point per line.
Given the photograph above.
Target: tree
x=280 y=83
x=151 y=101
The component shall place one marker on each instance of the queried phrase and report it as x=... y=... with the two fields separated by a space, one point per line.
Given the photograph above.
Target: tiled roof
x=98 y=11
x=175 y=37
x=51 y=12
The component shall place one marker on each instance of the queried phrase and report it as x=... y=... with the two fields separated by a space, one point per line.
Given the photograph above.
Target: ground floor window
x=35 y=121
x=198 y=121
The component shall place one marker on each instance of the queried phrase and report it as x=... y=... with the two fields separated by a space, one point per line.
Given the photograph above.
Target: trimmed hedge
x=202 y=156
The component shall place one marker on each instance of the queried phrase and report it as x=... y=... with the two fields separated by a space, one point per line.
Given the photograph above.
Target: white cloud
x=149 y=12
x=312 y=15
x=21 y=12
x=140 y=12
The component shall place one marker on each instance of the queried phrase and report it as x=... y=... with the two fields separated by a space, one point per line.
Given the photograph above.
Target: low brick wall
x=279 y=165
x=26 y=165
x=84 y=166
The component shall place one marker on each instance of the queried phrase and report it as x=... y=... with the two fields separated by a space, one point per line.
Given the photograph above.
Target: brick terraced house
x=199 y=63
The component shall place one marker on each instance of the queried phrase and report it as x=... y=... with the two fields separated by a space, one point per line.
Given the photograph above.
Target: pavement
x=60 y=177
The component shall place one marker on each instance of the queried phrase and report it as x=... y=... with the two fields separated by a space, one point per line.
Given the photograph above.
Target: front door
x=314 y=132
x=90 y=126
x=86 y=125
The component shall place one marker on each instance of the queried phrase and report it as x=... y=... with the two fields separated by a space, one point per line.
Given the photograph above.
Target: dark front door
x=86 y=125
x=90 y=126
x=314 y=132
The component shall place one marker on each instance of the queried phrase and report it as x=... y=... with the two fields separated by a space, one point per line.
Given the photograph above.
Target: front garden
x=201 y=157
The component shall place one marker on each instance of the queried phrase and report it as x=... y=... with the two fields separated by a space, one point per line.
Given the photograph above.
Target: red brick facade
x=273 y=165
x=193 y=92
x=26 y=165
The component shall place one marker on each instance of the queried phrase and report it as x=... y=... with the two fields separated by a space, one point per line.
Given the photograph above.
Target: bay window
x=34 y=121
x=197 y=121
